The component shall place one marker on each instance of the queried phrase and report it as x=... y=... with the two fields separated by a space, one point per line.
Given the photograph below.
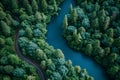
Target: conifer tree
x=95 y=23
x=97 y=6
x=106 y=23
x=14 y=4
x=44 y=5
x=75 y=15
x=2 y=14
x=93 y=15
x=89 y=49
x=65 y=23
x=29 y=32
x=5 y=28
x=38 y=16
x=55 y=5
x=2 y=41
x=78 y=38
x=29 y=9
x=71 y=9
x=110 y=32
x=34 y=5
x=102 y=13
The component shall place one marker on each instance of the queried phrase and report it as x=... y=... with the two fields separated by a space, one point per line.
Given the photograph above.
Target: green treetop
x=71 y=9
x=44 y=4
x=34 y=5
x=55 y=5
x=14 y=4
x=29 y=9
x=29 y=32
x=75 y=15
x=65 y=23
x=2 y=14
x=89 y=49
x=5 y=28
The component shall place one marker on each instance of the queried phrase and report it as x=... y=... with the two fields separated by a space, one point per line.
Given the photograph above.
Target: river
x=54 y=38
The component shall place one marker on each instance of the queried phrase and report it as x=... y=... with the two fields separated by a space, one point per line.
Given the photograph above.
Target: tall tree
x=2 y=14
x=89 y=49
x=44 y=5
x=29 y=32
x=55 y=5
x=29 y=9
x=2 y=41
x=71 y=9
x=34 y=5
x=110 y=32
x=65 y=23
x=75 y=15
x=5 y=28
x=95 y=23
x=14 y=4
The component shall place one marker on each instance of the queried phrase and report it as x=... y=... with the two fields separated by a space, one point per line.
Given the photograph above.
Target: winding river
x=54 y=38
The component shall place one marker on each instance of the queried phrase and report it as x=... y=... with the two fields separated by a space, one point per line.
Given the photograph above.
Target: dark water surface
x=54 y=38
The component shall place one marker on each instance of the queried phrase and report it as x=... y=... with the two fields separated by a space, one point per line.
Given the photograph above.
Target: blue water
x=54 y=38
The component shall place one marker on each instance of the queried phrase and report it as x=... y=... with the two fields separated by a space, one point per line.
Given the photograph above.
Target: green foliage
x=80 y=13
x=29 y=32
x=75 y=15
x=6 y=78
x=55 y=5
x=34 y=6
x=71 y=9
x=13 y=59
x=113 y=57
x=71 y=29
x=21 y=32
x=23 y=17
x=86 y=22
x=29 y=9
x=44 y=5
x=38 y=17
x=65 y=22
x=4 y=60
x=98 y=25
x=9 y=41
x=19 y=72
x=2 y=15
x=23 y=41
x=110 y=32
x=113 y=70
x=43 y=65
x=56 y=76
x=89 y=49
x=117 y=42
x=2 y=42
x=95 y=23
x=8 y=69
x=5 y=28
x=31 y=48
x=14 y=4
x=11 y=11
x=63 y=70
x=58 y=54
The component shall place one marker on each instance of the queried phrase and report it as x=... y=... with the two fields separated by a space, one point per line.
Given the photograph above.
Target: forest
x=93 y=27
x=28 y=20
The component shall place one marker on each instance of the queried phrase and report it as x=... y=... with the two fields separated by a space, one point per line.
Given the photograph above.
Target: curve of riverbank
x=26 y=59
x=54 y=38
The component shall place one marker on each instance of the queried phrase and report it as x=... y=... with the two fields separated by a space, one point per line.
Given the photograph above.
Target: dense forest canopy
x=93 y=27
x=28 y=19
